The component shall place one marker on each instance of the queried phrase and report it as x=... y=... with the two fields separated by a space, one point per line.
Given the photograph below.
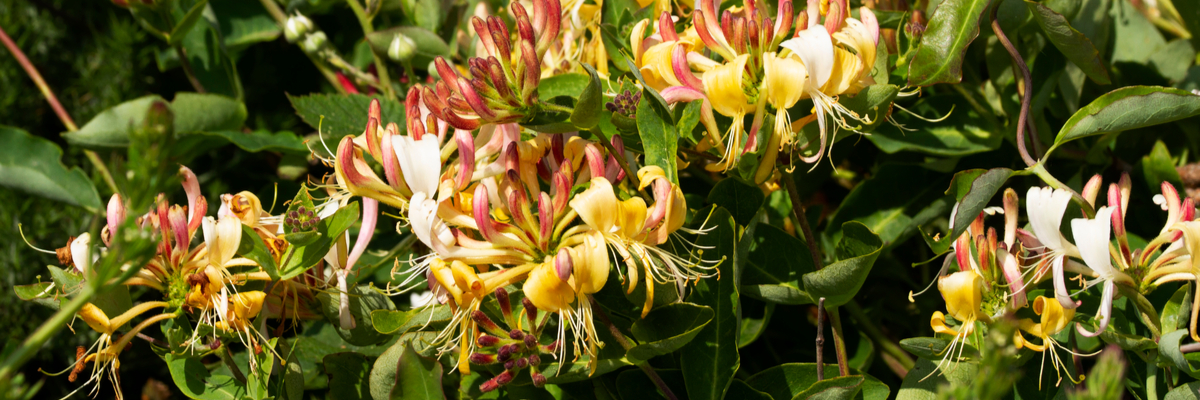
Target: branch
x=1026 y=96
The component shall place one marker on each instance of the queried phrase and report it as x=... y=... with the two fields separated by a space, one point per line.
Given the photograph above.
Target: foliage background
x=95 y=56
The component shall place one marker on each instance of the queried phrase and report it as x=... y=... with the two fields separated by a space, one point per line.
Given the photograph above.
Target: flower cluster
x=996 y=271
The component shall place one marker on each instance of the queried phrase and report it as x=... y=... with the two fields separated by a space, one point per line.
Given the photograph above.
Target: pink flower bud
x=116 y=214
x=487 y=340
x=466 y=157
x=481 y=211
x=666 y=27
x=784 y=23
x=481 y=359
x=563 y=265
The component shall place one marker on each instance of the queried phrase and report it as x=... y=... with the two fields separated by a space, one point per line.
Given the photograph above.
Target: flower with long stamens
x=1045 y=208
x=1054 y=318
x=103 y=354
x=1091 y=236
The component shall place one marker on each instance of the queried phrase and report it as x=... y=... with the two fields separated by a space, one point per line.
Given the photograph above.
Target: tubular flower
x=1054 y=318
x=104 y=352
x=1045 y=208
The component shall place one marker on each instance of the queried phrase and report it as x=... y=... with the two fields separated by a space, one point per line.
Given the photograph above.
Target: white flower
x=1092 y=237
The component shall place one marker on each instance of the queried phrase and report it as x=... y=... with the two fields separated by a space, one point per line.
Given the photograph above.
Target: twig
x=380 y=66
x=187 y=69
x=599 y=312
x=798 y=210
x=54 y=104
x=821 y=339
x=281 y=20
x=1026 y=98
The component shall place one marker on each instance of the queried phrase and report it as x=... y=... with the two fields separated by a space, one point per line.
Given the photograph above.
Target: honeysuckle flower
x=1091 y=235
x=104 y=352
x=1046 y=207
x=1054 y=318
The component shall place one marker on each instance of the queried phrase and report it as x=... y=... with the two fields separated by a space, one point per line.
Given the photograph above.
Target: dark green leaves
x=1129 y=108
x=195 y=381
x=363 y=300
x=341 y=115
x=300 y=258
x=185 y=25
x=395 y=322
x=709 y=361
x=1070 y=42
x=570 y=85
x=973 y=189
x=667 y=329
x=777 y=263
x=840 y=281
x=591 y=102
x=952 y=27
x=659 y=135
x=786 y=381
x=963 y=132
x=737 y=197
x=401 y=373
x=348 y=373
x=34 y=165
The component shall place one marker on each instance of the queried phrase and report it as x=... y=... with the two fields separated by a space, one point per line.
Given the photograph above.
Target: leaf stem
x=1026 y=95
x=380 y=66
x=645 y=366
x=281 y=21
x=839 y=342
x=187 y=69
x=39 y=337
x=63 y=116
x=873 y=332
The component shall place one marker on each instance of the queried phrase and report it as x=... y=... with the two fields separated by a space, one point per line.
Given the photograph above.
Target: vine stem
x=281 y=20
x=1026 y=94
x=891 y=348
x=39 y=337
x=54 y=104
x=821 y=339
x=839 y=342
x=187 y=69
x=645 y=366
x=380 y=67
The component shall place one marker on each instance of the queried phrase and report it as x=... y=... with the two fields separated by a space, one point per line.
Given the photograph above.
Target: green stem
x=1151 y=381
x=839 y=342
x=187 y=69
x=873 y=332
x=1149 y=314
x=1039 y=169
x=380 y=66
x=645 y=366
x=61 y=112
x=39 y=337
x=281 y=20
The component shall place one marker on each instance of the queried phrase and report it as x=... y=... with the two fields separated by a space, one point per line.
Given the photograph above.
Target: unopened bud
x=314 y=42
x=481 y=359
x=296 y=28
x=510 y=364
x=534 y=360
x=522 y=363
x=488 y=340
x=539 y=380
x=516 y=334
x=504 y=378
x=530 y=341
x=402 y=48
x=504 y=354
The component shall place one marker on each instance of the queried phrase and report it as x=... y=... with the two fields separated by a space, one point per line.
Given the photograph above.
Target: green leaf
x=396 y=322
x=874 y=202
x=737 y=197
x=785 y=381
x=689 y=119
x=34 y=165
x=260 y=140
x=253 y=248
x=193 y=113
x=348 y=375
x=211 y=61
x=778 y=262
x=196 y=112
x=752 y=328
x=570 y=85
x=244 y=23
x=939 y=57
x=363 y=300
x=42 y=293
x=973 y=189
x=187 y=22
x=873 y=102
x=402 y=373
x=658 y=133
x=578 y=370
x=740 y=390
x=428 y=44
x=591 y=102
x=1188 y=391
x=300 y=258
x=935 y=348
x=1070 y=42
x=318 y=340
x=1176 y=312
x=924 y=380
x=840 y=281
x=344 y=114
x=666 y=329
x=709 y=361
x=844 y=387
x=195 y=381
x=1158 y=167
x=1129 y=108
x=963 y=132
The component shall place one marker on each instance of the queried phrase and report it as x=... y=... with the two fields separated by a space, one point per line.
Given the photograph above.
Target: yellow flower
x=724 y=86
x=784 y=79
x=1054 y=318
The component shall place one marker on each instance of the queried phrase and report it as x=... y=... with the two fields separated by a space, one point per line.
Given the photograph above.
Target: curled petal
x=369 y=217
x=191 y=186
x=466 y=157
x=814 y=46
x=1104 y=312
x=1060 y=284
x=1092 y=239
x=868 y=18
x=666 y=27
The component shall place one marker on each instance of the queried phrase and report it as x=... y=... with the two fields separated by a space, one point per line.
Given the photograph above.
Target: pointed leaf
x=1129 y=108
x=666 y=329
x=840 y=281
x=34 y=165
x=348 y=375
x=737 y=197
x=939 y=57
x=709 y=361
x=591 y=102
x=1070 y=42
x=187 y=22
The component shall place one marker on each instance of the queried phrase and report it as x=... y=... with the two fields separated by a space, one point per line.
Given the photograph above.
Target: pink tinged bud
x=164 y=225
x=432 y=101
x=613 y=171
x=814 y=12
x=768 y=31
x=563 y=265
x=504 y=378
x=178 y=219
x=475 y=100
x=504 y=353
x=553 y=23
x=485 y=35
x=391 y=164
x=115 y=214
x=538 y=379
x=556 y=148
x=524 y=26
x=533 y=71
x=751 y=8
x=962 y=252
x=868 y=18
x=1189 y=210
x=518 y=205
x=1126 y=186
x=466 y=157
x=191 y=186
x=1011 y=211
x=516 y=334
x=1092 y=189
x=702 y=30
x=488 y=386
x=370 y=216
x=531 y=343
x=1173 y=203
x=595 y=160
x=521 y=363
x=662 y=200
x=496 y=72
x=752 y=32
x=483 y=321
x=738 y=31
x=530 y=311
x=682 y=70
x=481 y=359
x=666 y=28
x=534 y=359
x=833 y=20
x=727 y=26
x=562 y=190
x=481 y=210
x=500 y=37
x=801 y=22
x=545 y=218
x=539 y=16
x=784 y=23
x=1012 y=274
x=505 y=305
x=1114 y=200
x=512 y=158
x=458 y=122
x=752 y=135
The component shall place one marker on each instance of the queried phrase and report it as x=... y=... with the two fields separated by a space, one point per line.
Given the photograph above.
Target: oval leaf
x=1129 y=108
x=840 y=281
x=34 y=165
x=666 y=329
x=1070 y=42
x=591 y=102
x=939 y=57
